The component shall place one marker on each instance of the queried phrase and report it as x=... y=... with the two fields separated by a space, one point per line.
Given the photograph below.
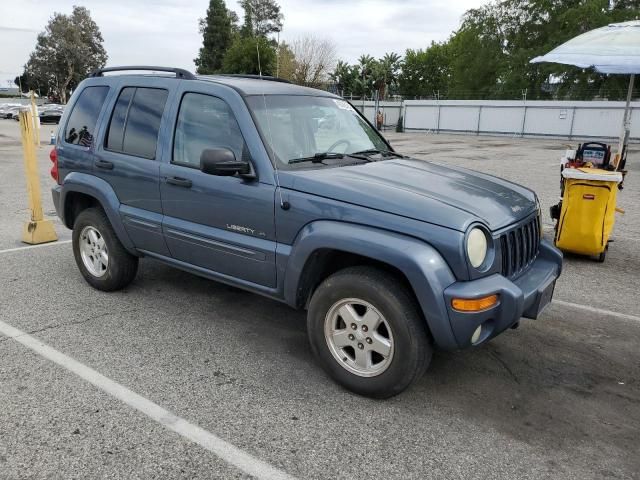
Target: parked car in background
x=52 y=105
x=51 y=114
x=11 y=110
x=5 y=107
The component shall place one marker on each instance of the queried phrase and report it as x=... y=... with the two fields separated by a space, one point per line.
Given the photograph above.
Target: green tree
x=425 y=72
x=261 y=18
x=367 y=75
x=366 y=79
x=251 y=42
x=572 y=82
x=488 y=56
x=25 y=83
x=476 y=54
x=242 y=56
x=390 y=64
x=67 y=51
x=490 y=52
x=345 y=78
x=216 y=30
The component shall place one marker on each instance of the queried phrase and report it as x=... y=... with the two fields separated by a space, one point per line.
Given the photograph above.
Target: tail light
x=53 y=156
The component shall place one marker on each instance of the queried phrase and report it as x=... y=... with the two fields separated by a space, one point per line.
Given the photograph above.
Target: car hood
x=448 y=196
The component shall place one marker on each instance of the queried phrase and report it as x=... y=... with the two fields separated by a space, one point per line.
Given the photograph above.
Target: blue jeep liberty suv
x=290 y=192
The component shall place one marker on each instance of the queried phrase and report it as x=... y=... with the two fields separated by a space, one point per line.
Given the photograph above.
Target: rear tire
x=368 y=333
x=101 y=258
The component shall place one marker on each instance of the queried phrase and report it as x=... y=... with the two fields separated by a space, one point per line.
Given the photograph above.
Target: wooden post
x=37 y=230
x=35 y=119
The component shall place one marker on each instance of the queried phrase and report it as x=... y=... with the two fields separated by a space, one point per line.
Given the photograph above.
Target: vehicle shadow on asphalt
x=553 y=383
x=562 y=382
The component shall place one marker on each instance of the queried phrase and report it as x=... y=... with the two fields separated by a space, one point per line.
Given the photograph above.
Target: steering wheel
x=347 y=144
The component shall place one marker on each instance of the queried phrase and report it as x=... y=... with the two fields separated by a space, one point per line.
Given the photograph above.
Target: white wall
x=390 y=110
x=533 y=118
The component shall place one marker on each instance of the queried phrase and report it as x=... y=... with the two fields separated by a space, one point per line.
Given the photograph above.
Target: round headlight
x=476 y=247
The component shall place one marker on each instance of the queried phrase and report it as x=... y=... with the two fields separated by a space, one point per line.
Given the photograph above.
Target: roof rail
x=180 y=73
x=254 y=77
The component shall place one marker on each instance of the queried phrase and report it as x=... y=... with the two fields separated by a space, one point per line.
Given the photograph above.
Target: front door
x=222 y=224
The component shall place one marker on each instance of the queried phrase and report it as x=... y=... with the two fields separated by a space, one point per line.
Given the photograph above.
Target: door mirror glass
x=223 y=162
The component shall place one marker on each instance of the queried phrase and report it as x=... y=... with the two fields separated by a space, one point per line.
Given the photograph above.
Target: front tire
x=101 y=258
x=367 y=332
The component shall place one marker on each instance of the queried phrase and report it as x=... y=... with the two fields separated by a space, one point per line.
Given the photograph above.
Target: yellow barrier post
x=38 y=230
x=36 y=119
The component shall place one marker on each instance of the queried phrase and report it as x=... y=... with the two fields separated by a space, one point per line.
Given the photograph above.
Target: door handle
x=104 y=164
x=179 y=182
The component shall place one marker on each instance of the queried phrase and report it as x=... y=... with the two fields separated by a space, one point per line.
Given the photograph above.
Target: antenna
x=259 y=65
x=284 y=205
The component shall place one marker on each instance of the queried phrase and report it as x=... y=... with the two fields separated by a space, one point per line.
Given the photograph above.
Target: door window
x=135 y=121
x=82 y=121
x=205 y=122
x=115 y=136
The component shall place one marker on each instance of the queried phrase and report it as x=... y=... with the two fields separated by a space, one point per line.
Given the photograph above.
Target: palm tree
x=365 y=65
x=345 y=77
x=390 y=63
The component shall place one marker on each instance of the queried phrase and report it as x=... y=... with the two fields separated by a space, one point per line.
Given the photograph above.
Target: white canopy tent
x=614 y=49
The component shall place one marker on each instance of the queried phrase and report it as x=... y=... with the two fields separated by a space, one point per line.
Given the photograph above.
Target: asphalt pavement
x=557 y=398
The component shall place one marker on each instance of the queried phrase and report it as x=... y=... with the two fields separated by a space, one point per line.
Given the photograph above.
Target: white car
x=6 y=109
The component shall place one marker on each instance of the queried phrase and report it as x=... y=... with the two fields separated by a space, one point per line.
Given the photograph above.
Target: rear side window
x=135 y=121
x=84 y=116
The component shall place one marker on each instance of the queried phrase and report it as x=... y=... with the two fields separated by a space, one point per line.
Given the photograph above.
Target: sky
x=165 y=32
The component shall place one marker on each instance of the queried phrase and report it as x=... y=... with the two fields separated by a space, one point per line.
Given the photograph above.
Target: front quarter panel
x=424 y=267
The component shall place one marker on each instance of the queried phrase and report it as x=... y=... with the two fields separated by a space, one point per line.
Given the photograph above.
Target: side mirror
x=222 y=162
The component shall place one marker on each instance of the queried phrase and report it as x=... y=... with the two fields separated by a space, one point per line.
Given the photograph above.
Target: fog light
x=476 y=335
x=474 y=305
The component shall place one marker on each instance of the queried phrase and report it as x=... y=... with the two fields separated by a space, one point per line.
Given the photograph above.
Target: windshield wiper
x=319 y=157
x=374 y=151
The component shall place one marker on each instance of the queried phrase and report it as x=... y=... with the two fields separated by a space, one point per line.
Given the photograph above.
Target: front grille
x=520 y=247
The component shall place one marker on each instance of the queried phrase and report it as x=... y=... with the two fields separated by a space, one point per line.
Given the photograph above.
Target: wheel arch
x=324 y=262
x=324 y=247
x=81 y=191
x=76 y=202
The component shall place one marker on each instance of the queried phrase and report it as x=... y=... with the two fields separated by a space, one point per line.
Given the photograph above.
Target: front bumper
x=524 y=296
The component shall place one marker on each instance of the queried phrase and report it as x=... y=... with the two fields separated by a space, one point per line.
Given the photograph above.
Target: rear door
x=129 y=156
x=222 y=224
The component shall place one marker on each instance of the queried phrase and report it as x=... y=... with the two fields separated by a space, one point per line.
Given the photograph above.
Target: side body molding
x=104 y=193
x=423 y=266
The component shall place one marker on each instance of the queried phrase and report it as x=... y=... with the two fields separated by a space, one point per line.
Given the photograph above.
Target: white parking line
x=226 y=451
x=29 y=247
x=600 y=311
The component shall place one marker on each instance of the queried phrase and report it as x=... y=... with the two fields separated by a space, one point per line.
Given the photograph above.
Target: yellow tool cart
x=587 y=210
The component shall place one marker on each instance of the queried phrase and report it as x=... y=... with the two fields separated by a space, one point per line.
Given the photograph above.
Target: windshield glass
x=298 y=127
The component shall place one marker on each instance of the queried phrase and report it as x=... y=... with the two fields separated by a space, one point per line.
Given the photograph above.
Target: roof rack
x=180 y=73
x=254 y=77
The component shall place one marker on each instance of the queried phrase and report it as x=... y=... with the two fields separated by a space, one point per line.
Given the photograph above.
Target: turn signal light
x=474 y=305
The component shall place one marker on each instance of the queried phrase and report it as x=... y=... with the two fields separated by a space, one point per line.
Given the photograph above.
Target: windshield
x=301 y=127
